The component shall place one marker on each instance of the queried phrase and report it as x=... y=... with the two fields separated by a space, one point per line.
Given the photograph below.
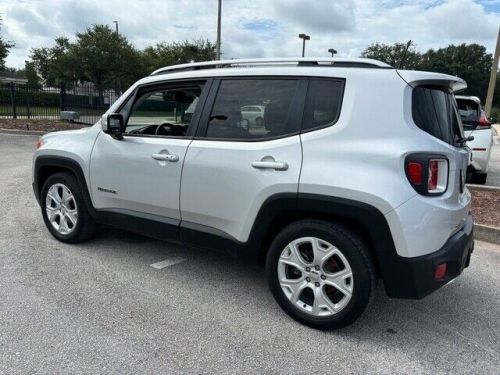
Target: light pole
x=117 y=80
x=304 y=37
x=333 y=51
x=217 y=43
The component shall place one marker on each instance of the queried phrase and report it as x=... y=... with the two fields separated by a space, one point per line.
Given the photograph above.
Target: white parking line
x=167 y=262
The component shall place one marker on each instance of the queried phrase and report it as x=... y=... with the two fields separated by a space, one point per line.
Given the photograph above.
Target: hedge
x=48 y=99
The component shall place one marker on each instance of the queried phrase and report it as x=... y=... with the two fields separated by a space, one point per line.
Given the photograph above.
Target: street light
x=304 y=37
x=117 y=81
x=217 y=43
x=332 y=51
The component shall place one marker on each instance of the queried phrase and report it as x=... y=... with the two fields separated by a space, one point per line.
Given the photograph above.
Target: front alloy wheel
x=61 y=208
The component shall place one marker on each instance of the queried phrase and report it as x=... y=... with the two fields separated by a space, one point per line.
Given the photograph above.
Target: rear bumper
x=479 y=164
x=413 y=278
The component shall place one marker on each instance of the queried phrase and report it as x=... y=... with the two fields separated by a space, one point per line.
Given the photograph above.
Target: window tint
x=252 y=109
x=324 y=99
x=434 y=111
x=164 y=112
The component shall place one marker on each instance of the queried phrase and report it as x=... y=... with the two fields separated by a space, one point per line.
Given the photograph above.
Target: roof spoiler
x=415 y=78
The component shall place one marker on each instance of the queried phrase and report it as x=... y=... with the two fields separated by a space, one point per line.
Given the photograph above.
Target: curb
x=487 y=233
x=483 y=187
x=22 y=132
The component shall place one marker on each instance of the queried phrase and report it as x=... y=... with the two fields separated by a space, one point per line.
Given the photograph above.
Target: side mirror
x=113 y=125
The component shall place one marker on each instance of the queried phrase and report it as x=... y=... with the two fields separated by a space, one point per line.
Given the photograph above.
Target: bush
x=495 y=113
x=37 y=98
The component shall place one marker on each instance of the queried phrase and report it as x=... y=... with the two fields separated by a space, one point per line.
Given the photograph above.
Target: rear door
x=234 y=164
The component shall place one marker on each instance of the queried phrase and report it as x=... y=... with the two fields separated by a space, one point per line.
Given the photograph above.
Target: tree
x=467 y=61
x=29 y=72
x=56 y=65
x=5 y=46
x=105 y=58
x=163 y=54
x=392 y=54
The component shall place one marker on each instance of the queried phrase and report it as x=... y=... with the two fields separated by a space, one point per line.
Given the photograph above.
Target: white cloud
x=254 y=28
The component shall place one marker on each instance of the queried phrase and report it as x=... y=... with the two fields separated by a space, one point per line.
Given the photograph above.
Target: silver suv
x=353 y=172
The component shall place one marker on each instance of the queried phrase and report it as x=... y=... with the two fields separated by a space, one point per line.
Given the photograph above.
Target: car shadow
x=386 y=321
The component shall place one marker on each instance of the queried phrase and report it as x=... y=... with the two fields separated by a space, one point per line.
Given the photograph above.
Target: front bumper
x=35 y=190
x=413 y=278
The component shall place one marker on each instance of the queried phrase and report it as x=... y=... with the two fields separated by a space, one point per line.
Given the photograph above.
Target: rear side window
x=434 y=111
x=470 y=112
x=324 y=99
x=253 y=109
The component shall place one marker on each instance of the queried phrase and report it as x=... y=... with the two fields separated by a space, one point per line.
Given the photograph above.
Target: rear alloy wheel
x=320 y=273
x=315 y=276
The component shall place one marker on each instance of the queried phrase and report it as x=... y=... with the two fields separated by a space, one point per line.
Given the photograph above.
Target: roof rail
x=299 y=61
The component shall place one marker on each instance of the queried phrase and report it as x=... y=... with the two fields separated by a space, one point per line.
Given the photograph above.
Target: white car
x=357 y=175
x=254 y=114
x=478 y=126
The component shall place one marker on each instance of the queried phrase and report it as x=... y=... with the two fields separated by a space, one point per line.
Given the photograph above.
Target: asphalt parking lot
x=101 y=307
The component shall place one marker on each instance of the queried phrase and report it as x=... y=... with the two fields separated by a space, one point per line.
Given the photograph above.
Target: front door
x=140 y=174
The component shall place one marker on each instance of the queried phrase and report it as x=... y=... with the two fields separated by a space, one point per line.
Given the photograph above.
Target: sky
x=257 y=28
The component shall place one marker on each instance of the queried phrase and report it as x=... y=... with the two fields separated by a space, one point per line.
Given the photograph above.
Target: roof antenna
x=401 y=62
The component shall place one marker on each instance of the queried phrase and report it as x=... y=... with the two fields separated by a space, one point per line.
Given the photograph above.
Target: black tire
x=479 y=178
x=352 y=248
x=85 y=227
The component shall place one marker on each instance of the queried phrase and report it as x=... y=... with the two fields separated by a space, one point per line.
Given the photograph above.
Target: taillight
x=415 y=172
x=38 y=144
x=484 y=123
x=438 y=176
x=432 y=180
x=428 y=174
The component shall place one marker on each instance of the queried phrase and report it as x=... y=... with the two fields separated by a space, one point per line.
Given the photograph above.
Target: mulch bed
x=40 y=125
x=486 y=207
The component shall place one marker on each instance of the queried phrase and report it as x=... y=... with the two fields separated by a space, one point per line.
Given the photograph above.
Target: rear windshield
x=470 y=112
x=434 y=111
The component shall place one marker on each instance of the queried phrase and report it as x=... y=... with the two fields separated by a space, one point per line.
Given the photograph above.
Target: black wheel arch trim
x=373 y=221
x=65 y=163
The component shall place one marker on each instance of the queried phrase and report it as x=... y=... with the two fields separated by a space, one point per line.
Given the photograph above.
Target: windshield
x=434 y=111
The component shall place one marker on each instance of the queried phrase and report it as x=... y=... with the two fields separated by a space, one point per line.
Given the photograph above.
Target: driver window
x=164 y=112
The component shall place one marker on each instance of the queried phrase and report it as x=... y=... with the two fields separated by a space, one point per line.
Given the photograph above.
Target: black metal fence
x=22 y=101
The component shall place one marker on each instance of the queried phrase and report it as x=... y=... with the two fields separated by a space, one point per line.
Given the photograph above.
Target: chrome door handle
x=276 y=165
x=165 y=157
